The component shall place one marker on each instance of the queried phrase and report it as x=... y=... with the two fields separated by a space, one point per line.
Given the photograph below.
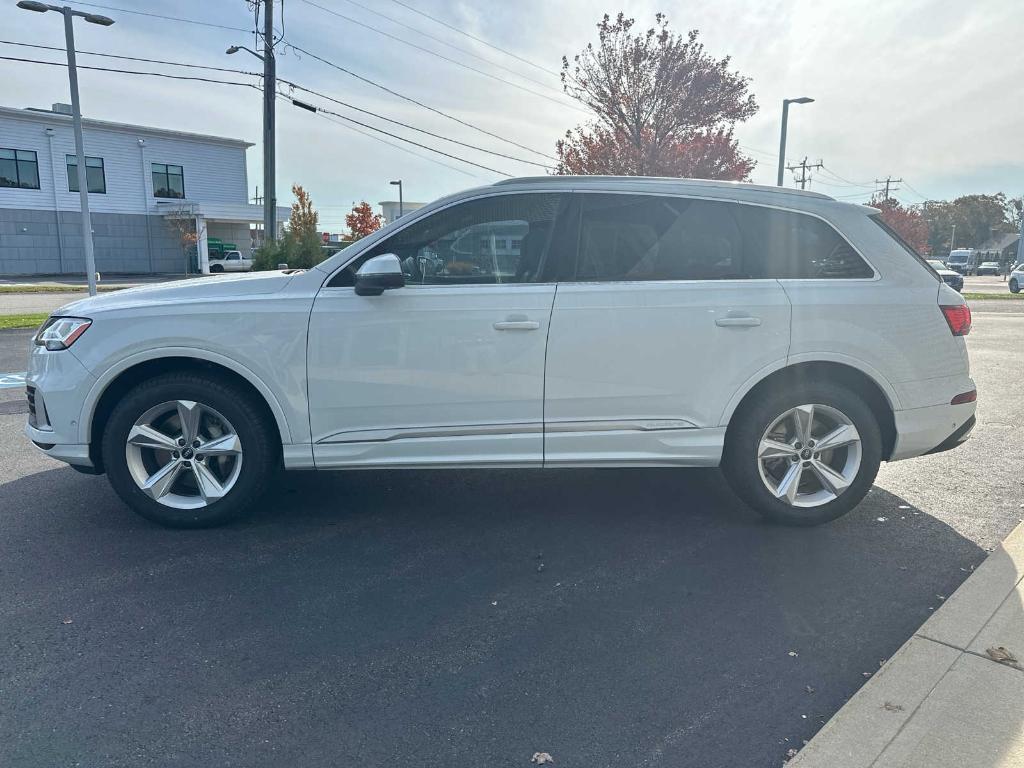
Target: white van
x=963 y=260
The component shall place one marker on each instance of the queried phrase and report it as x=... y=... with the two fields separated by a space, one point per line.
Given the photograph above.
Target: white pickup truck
x=231 y=261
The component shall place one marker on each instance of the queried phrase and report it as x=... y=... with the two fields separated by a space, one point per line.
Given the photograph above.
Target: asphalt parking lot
x=609 y=618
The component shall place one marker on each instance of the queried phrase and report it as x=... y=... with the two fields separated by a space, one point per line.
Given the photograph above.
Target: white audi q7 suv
x=789 y=338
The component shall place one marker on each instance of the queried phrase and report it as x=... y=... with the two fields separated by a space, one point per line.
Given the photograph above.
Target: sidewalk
x=943 y=700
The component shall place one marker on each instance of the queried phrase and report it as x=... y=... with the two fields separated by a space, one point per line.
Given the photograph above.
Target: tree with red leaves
x=663 y=106
x=907 y=221
x=363 y=221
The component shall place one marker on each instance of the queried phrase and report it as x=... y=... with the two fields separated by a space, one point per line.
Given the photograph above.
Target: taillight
x=965 y=397
x=958 y=316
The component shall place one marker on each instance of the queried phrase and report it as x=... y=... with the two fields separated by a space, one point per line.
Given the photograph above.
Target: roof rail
x=661 y=181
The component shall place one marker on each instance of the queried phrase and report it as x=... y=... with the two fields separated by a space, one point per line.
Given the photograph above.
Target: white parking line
x=12 y=380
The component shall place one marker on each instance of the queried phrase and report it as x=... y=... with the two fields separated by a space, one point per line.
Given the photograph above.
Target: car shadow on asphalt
x=455 y=616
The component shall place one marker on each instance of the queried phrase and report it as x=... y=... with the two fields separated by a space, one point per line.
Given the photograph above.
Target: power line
x=158 y=16
x=418 y=103
x=395 y=146
x=312 y=108
x=465 y=51
x=474 y=37
x=412 y=127
x=917 y=192
x=443 y=57
x=254 y=74
x=132 y=72
x=832 y=173
x=132 y=58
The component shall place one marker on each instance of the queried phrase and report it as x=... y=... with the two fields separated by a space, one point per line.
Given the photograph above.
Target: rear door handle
x=517 y=325
x=745 y=321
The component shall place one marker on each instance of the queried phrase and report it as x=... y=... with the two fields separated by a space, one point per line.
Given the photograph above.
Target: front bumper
x=59 y=384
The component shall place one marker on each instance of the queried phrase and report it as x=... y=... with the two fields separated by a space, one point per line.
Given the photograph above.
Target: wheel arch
x=116 y=381
x=879 y=395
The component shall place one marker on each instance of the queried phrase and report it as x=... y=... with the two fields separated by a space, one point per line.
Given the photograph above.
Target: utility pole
x=269 y=100
x=804 y=166
x=888 y=181
x=1020 y=243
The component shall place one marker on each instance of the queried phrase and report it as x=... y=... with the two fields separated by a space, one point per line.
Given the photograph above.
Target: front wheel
x=189 y=450
x=803 y=455
x=1014 y=286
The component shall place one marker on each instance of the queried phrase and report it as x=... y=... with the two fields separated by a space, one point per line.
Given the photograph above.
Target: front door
x=669 y=313
x=450 y=368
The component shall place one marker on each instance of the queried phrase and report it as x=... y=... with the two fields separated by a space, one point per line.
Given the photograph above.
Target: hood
x=196 y=289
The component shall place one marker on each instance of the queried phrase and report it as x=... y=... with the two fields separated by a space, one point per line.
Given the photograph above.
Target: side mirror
x=379 y=274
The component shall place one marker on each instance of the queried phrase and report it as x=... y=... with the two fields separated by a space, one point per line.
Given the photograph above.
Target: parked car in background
x=231 y=261
x=963 y=260
x=792 y=339
x=989 y=268
x=1016 y=281
x=953 y=279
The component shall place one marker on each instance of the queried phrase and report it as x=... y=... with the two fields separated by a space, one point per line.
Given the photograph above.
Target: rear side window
x=652 y=238
x=645 y=237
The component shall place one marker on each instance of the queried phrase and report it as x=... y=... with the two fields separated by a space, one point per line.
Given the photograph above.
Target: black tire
x=1014 y=287
x=258 y=436
x=750 y=422
x=217 y=268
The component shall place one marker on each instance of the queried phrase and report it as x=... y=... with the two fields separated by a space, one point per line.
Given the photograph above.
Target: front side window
x=168 y=181
x=653 y=238
x=19 y=168
x=94 y=177
x=467 y=243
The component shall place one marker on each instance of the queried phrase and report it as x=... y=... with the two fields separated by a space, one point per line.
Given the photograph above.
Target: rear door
x=667 y=314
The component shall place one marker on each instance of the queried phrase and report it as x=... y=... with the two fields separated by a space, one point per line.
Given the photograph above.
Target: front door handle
x=516 y=323
x=745 y=321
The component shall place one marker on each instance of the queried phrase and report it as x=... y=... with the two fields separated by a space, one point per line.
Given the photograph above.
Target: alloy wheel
x=809 y=455
x=183 y=454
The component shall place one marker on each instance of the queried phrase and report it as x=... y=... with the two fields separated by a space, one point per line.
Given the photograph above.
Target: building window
x=19 y=168
x=168 y=181
x=94 y=177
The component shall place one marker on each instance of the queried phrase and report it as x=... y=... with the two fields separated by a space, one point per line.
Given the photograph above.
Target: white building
x=390 y=209
x=146 y=185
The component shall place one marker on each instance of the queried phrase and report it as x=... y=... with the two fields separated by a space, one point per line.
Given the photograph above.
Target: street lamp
x=401 y=205
x=76 y=122
x=782 y=140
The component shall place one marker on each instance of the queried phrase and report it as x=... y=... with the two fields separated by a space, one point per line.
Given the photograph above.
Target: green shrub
x=298 y=252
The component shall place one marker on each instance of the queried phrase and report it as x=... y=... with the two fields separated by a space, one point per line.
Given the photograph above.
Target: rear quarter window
x=892 y=233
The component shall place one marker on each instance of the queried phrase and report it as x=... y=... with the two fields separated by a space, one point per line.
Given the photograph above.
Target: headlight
x=61 y=332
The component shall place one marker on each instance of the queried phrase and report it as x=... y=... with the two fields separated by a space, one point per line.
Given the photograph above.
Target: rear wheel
x=1014 y=285
x=188 y=450
x=805 y=455
x=216 y=268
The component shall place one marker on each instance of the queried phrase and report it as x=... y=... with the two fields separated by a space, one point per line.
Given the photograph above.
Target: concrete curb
x=940 y=700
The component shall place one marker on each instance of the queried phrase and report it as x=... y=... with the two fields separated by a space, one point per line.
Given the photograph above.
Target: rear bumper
x=933 y=429
x=956 y=438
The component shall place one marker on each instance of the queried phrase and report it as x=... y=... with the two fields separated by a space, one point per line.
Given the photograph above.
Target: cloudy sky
x=928 y=90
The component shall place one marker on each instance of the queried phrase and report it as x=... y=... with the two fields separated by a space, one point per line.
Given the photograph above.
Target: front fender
x=104 y=380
